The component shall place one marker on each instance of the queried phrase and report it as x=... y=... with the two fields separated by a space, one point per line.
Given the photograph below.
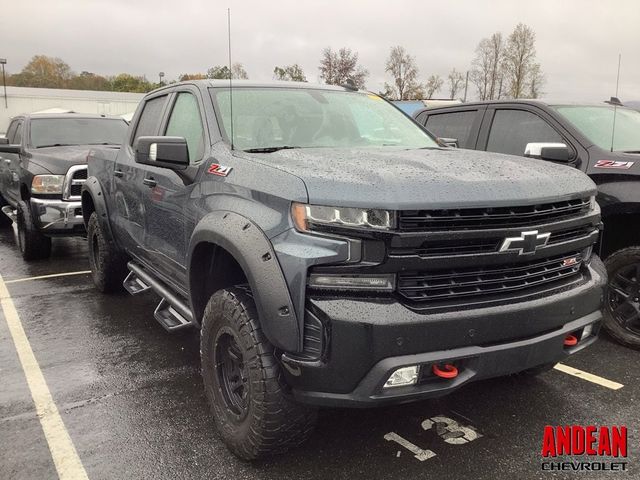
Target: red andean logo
x=591 y=440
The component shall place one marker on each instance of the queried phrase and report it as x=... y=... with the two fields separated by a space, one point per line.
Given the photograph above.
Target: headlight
x=305 y=217
x=47 y=184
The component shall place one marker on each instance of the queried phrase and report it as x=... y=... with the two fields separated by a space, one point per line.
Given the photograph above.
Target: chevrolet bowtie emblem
x=527 y=242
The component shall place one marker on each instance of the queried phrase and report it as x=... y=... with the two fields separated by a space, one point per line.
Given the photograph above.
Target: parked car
x=333 y=254
x=582 y=136
x=42 y=169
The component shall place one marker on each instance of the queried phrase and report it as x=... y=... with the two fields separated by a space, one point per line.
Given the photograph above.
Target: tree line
x=502 y=67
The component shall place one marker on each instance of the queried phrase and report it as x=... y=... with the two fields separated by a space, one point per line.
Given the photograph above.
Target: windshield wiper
x=58 y=145
x=268 y=149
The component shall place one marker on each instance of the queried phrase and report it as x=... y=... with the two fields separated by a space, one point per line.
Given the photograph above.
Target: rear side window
x=511 y=130
x=456 y=125
x=185 y=122
x=150 y=119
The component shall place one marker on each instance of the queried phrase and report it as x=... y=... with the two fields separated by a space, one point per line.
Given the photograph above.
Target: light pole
x=3 y=62
x=161 y=75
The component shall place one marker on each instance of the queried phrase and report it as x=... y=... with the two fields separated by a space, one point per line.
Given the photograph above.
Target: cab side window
x=511 y=130
x=185 y=121
x=149 y=120
x=456 y=125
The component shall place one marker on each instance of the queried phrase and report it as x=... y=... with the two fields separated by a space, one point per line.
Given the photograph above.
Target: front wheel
x=622 y=302
x=243 y=381
x=32 y=243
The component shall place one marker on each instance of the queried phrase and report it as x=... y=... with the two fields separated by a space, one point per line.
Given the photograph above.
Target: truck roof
x=66 y=115
x=252 y=83
x=524 y=101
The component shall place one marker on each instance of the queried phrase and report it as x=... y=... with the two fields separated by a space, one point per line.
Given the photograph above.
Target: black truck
x=333 y=254
x=602 y=140
x=43 y=164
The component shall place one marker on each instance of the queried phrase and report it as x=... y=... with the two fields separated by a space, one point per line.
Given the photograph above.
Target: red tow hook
x=570 y=340
x=448 y=371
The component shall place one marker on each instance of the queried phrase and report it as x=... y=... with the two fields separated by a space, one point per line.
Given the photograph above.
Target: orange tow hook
x=448 y=371
x=570 y=340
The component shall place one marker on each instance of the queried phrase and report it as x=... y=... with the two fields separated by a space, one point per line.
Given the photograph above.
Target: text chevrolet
x=332 y=254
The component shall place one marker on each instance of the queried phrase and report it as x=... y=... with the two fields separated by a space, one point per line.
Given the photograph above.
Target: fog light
x=402 y=377
x=586 y=331
x=352 y=282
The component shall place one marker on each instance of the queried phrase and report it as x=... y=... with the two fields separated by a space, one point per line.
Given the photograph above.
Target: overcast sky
x=578 y=41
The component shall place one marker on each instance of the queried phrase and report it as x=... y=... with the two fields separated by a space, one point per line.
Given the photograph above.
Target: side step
x=9 y=211
x=172 y=312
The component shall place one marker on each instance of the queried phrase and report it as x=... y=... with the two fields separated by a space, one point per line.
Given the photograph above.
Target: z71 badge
x=220 y=170
x=613 y=164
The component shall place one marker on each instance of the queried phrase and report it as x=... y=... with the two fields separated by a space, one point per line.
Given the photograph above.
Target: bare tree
x=402 y=68
x=519 y=60
x=433 y=85
x=222 y=72
x=293 y=73
x=487 y=67
x=337 y=68
x=456 y=82
x=536 y=81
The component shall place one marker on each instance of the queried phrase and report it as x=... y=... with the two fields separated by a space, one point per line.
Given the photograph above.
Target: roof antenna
x=230 y=75
x=616 y=103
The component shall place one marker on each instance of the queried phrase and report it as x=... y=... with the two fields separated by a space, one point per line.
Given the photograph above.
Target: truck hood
x=58 y=159
x=399 y=179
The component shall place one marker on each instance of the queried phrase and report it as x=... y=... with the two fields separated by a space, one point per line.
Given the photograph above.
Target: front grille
x=76 y=177
x=487 y=244
x=473 y=284
x=486 y=218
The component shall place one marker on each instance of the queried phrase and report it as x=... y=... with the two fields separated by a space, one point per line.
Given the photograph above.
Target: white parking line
x=63 y=452
x=589 y=377
x=41 y=277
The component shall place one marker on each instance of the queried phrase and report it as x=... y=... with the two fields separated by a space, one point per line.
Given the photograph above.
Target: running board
x=9 y=211
x=172 y=312
x=134 y=285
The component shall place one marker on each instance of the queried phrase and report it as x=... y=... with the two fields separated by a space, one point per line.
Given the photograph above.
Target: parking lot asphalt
x=131 y=399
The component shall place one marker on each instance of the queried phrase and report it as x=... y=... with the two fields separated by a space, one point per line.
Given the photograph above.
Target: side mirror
x=555 y=152
x=448 y=142
x=6 y=147
x=163 y=152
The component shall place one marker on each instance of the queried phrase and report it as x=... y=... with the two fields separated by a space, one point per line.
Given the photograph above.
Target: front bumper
x=57 y=217
x=368 y=340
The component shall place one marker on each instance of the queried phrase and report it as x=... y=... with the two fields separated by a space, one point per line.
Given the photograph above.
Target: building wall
x=28 y=100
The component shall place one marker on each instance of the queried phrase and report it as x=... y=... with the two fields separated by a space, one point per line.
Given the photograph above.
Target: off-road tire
x=271 y=422
x=618 y=260
x=108 y=264
x=32 y=243
x=5 y=222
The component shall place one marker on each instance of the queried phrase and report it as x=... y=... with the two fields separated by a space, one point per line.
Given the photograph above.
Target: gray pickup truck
x=43 y=164
x=333 y=254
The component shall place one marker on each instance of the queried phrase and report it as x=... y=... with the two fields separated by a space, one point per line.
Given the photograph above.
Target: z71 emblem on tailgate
x=613 y=164
x=220 y=170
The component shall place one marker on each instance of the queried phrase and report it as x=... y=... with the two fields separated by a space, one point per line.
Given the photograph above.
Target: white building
x=29 y=100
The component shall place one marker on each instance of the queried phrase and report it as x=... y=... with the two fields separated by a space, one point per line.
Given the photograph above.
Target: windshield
x=596 y=123
x=49 y=132
x=265 y=118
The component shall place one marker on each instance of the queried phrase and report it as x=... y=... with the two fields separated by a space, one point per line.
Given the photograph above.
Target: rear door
x=166 y=192
x=461 y=124
x=128 y=188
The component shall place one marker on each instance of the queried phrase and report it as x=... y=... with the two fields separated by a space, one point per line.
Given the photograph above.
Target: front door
x=167 y=192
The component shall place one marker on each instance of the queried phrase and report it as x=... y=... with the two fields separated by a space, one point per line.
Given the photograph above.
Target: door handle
x=118 y=173
x=149 y=182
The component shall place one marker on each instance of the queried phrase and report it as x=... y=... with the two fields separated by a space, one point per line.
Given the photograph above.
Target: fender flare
x=93 y=190
x=253 y=251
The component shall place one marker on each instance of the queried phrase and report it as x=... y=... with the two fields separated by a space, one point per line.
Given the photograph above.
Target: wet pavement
x=131 y=399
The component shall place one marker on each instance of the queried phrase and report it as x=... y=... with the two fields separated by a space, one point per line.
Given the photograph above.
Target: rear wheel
x=622 y=302
x=108 y=264
x=32 y=243
x=243 y=381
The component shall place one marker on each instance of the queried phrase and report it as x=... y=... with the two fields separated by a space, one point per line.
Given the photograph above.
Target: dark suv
x=582 y=136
